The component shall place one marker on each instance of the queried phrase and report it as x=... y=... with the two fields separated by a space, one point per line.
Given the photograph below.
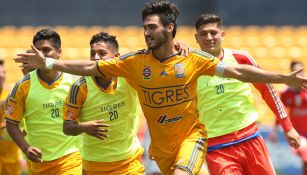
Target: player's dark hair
x=208 y=19
x=294 y=63
x=167 y=12
x=105 y=37
x=48 y=34
x=1 y=62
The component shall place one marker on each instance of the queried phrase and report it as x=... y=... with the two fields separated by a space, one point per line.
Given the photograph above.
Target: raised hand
x=182 y=48
x=31 y=60
x=95 y=128
x=34 y=154
x=297 y=81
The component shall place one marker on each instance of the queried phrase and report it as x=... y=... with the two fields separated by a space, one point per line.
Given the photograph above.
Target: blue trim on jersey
x=72 y=106
x=223 y=145
x=102 y=85
x=97 y=66
x=164 y=59
x=12 y=121
x=13 y=93
x=52 y=81
x=202 y=53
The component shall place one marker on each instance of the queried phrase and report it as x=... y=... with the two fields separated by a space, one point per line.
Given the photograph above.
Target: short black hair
x=105 y=37
x=208 y=19
x=1 y=62
x=168 y=12
x=294 y=63
x=48 y=34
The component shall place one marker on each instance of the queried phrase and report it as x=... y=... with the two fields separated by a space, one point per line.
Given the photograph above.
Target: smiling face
x=102 y=51
x=209 y=37
x=154 y=32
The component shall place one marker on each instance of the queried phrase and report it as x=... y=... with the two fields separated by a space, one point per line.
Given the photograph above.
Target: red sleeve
x=267 y=92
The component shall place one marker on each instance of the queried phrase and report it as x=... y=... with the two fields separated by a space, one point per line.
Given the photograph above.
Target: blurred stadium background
x=273 y=32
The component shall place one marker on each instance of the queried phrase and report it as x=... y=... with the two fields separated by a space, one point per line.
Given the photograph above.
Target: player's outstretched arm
x=95 y=128
x=252 y=74
x=32 y=153
x=77 y=67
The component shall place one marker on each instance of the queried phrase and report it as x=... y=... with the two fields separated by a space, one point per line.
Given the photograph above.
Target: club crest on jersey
x=9 y=110
x=70 y=115
x=163 y=73
x=163 y=119
x=146 y=72
x=179 y=70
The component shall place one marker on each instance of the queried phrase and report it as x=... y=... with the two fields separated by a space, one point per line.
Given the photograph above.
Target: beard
x=158 y=41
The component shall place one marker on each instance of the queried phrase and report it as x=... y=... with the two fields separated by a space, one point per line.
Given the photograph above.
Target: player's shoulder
x=79 y=82
x=241 y=53
x=134 y=54
x=23 y=80
x=199 y=53
x=71 y=77
x=243 y=57
x=77 y=88
x=20 y=84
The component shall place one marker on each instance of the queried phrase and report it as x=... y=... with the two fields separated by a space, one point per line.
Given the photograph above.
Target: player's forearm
x=252 y=74
x=77 y=67
x=16 y=134
x=72 y=129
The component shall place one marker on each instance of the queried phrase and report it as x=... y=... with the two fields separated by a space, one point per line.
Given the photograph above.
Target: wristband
x=220 y=68
x=49 y=63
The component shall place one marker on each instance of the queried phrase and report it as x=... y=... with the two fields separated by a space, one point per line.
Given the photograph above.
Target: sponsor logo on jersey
x=9 y=110
x=161 y=97
x=179 y=70
x=53 y=104
x=112 y=107
x=163 y=119
x=146 y=72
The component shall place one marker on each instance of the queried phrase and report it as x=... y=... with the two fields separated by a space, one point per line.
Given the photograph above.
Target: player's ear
x=117 y=54
x=170 y=27
x=59 y=52
x=223 y=34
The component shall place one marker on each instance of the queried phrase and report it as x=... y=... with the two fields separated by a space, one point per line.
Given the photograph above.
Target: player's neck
x=165 y=50
x=218 y=54
x=48 y=75
x=103 y=81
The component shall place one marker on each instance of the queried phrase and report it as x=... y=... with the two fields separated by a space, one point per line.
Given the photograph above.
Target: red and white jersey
x=267 y=92
x=296 y=101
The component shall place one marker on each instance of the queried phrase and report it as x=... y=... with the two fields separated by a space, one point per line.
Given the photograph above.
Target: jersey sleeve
x=267 y=92
x=74 y=100
x=204 y=63
x=14 y=108
x=118 y=67
x=2 y=105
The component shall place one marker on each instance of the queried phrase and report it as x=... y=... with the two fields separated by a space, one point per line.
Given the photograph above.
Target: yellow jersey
x=167 y=93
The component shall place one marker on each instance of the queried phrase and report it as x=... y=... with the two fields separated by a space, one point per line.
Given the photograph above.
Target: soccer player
x=9 y=151
x=295 y=101
x=226 y=106
x=39 y=99
x=166 y=87
x=92 y=104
